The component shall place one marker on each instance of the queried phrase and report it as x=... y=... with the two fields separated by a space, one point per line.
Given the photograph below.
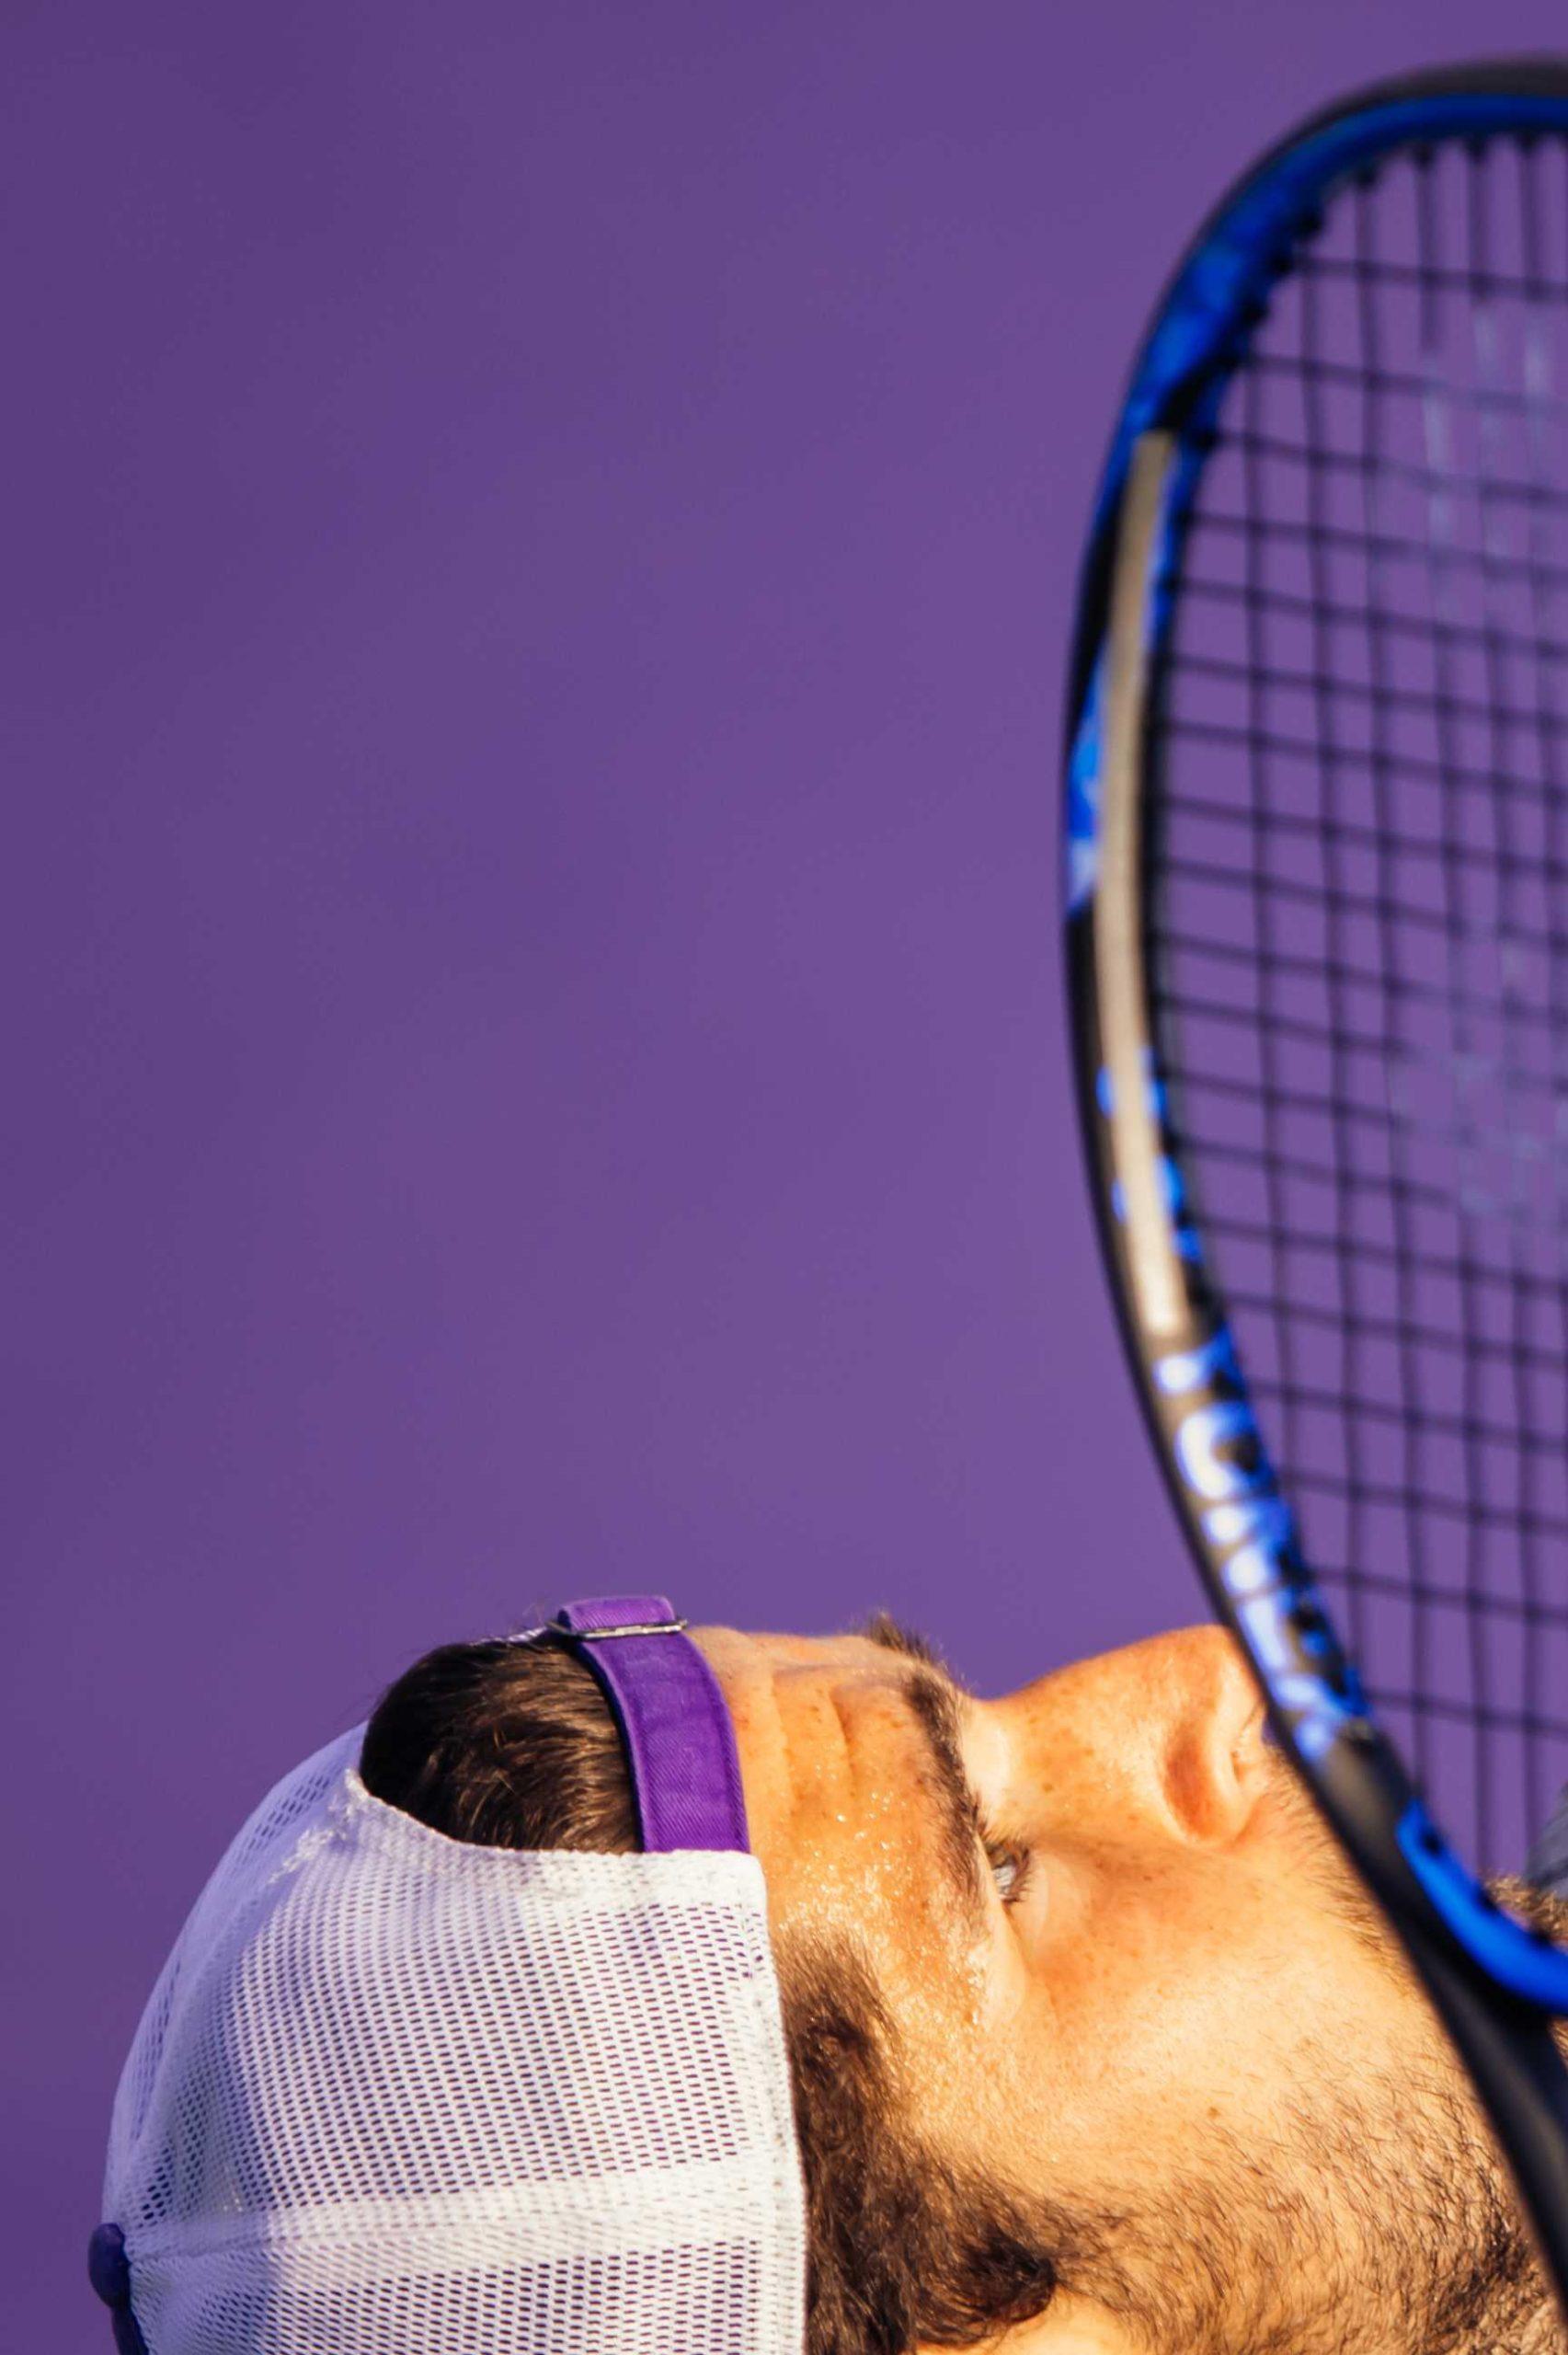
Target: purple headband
x=673 y=1719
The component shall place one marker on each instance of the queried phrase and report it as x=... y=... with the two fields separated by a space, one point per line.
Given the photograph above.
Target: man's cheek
x=1165 y=1981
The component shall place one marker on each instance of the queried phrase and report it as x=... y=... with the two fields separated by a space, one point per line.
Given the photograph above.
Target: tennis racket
x=1317 y=933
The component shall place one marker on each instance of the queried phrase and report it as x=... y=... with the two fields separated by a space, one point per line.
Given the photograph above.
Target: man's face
x=1130 y=1979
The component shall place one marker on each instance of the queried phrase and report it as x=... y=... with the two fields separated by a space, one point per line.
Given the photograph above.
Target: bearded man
x=1055 y=2026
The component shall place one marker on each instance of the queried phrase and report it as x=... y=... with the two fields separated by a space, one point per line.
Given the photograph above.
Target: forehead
x=848 y=1811
x=884 y=1648
x=788 y=1691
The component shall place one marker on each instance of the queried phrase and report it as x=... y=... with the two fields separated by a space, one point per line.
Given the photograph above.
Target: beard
x=1373 y=2216
x=1376 y=2215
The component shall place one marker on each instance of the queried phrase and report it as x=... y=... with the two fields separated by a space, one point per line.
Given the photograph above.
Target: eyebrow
x=936 y=1699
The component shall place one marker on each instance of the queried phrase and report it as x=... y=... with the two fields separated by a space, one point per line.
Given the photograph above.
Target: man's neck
x=1540 y=2333
x=1078 y=2326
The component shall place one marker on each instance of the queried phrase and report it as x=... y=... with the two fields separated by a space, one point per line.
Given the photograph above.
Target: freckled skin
x=1185 y=1938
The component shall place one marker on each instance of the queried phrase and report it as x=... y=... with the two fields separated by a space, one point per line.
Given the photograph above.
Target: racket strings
x=1359 y=941
x=1384 y=547
x=1542 y=1750
x=1354 y=619
x=1308 y=369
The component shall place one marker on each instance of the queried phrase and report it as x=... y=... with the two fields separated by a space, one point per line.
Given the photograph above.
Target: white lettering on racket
x=1220 y=1453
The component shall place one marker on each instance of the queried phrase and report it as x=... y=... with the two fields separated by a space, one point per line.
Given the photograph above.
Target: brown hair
x=513 y=1745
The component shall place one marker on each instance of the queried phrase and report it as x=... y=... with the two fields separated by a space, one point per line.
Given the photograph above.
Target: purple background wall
x=540 y=540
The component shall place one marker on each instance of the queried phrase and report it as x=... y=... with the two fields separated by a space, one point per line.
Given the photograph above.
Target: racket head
x=1154 y=1188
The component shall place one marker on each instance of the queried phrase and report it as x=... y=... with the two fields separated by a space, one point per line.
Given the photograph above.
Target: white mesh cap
x=398 y=2095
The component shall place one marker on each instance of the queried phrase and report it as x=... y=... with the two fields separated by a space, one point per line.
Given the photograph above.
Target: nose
x=1215 y=1764
x=1168 y=1731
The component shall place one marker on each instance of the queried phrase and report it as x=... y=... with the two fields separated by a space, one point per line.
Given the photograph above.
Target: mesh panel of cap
x=396 y=2094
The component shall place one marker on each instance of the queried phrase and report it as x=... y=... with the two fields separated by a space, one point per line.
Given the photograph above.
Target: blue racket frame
x=1495 y=1982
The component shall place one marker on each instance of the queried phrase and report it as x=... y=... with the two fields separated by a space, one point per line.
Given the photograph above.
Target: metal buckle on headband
x=558 y=1626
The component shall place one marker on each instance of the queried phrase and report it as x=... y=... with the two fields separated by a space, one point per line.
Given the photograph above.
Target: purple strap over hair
x=672 y=1717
